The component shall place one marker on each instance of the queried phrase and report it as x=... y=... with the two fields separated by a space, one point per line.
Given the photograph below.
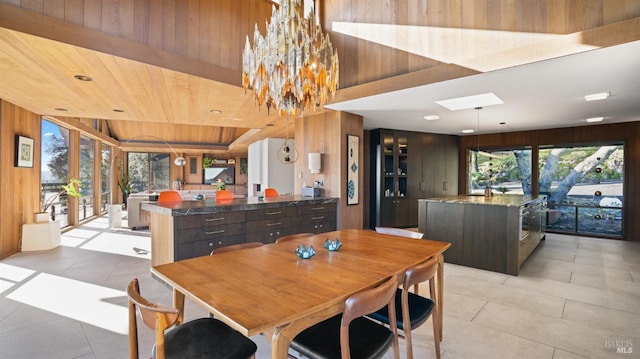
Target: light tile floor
x=576 y=297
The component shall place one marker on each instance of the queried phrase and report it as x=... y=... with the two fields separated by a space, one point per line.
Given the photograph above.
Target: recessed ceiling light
x=214 y=111
x=594 y=119
x=467 y=102
x=597 y=96
x=61 y=109
x=468 y=131
x=82 y=77
x=431 y=117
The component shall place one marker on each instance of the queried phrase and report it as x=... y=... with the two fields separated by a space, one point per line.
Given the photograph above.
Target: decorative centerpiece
x=332 y=244
x=305 y=252
x=199 y=197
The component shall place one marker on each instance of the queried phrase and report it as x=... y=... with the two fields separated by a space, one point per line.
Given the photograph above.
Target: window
x=87 y=175
x=54 y=168
x=506 y=171
x=584 y=188
x=105 y=176
x=148 y=171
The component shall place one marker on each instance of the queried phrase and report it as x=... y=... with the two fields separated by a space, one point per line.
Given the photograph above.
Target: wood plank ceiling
x=135 y=98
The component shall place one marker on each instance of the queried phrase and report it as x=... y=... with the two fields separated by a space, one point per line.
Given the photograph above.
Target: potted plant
x=221 y=185
x=125 y=186
x=71 y=189
x=207 y=162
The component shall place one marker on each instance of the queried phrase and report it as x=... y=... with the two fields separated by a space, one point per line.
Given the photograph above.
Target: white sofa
x=135 y=218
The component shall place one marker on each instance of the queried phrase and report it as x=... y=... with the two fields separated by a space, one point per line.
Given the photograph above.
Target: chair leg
x=435 y=320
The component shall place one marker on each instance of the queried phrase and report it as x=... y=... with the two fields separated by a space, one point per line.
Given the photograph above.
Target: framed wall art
x=353 y=169
x=24 y=151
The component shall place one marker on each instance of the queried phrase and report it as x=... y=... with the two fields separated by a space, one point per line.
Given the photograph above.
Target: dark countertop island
x=191 y=207
x=192 y=228
x=496 y=233
x=495 y=200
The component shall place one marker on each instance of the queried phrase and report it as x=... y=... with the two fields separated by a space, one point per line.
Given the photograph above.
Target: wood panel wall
x=628 y=132
x=19 y=187
x=327 y=133
x=524 y=17
x=210 y=31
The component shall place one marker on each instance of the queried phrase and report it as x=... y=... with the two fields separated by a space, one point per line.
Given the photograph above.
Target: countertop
x=192 y=207
x=495 y=200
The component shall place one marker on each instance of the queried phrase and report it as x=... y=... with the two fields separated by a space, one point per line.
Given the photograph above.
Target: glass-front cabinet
x=390 y=158
x=395 y=147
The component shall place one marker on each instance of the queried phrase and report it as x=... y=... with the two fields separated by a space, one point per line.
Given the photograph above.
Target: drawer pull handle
x=272 y=213
x=215 y=232
x=274 y=224
x=317 y=218
x=317 y=208
x=214 y=219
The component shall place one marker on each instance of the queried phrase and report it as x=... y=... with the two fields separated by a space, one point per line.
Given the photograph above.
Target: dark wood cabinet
x=195 y=228
x=317 y=218
x=266 y=225
x=389 y=189
x=497 y=233
x=198 y=235
x=406 y=166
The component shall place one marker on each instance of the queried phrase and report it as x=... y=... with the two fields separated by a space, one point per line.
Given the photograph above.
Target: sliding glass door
x=584 y=187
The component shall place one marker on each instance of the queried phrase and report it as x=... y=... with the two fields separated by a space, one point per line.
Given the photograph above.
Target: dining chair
x=224 y=195
x=169 y=196
x=350 y=334
x=234 y=247
x=270 y=192
x=400 y=232
x=199 y=338
x=293 y=236
x=412 y=310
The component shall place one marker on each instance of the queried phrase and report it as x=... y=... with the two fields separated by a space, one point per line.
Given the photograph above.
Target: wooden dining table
x=270 y=290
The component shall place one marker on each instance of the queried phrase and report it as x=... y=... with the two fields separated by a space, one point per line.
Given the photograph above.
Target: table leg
x=440 y=294
x=178 y=303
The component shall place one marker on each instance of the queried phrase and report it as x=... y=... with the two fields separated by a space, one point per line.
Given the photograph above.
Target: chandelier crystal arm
x=294 y=66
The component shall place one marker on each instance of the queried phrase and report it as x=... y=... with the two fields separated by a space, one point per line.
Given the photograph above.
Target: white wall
x=266 y=169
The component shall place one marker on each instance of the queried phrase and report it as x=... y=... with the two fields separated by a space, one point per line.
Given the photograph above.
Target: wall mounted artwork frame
x=353 y=170
x=24 y=151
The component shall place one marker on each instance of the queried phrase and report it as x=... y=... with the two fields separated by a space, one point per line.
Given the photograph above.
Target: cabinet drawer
x=209 y=220
x=313 y=210
x=270 y=224
x=270 y=213
x=318 y=226
x=272 y=235
x=208 y=233
x=204 y=247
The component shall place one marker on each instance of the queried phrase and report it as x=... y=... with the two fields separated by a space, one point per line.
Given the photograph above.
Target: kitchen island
x=187 y=229
x=497 y=233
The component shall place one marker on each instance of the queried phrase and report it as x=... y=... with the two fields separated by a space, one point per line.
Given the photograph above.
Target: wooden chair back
x=234 y=247
x=270 y=192
x=155 y=317
x=368 y=301
x=400 y=232
x=415 y=275
x=169 y=196
x=293 y=236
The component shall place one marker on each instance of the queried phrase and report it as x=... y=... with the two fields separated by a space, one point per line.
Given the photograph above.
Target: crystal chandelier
x=293 y=67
